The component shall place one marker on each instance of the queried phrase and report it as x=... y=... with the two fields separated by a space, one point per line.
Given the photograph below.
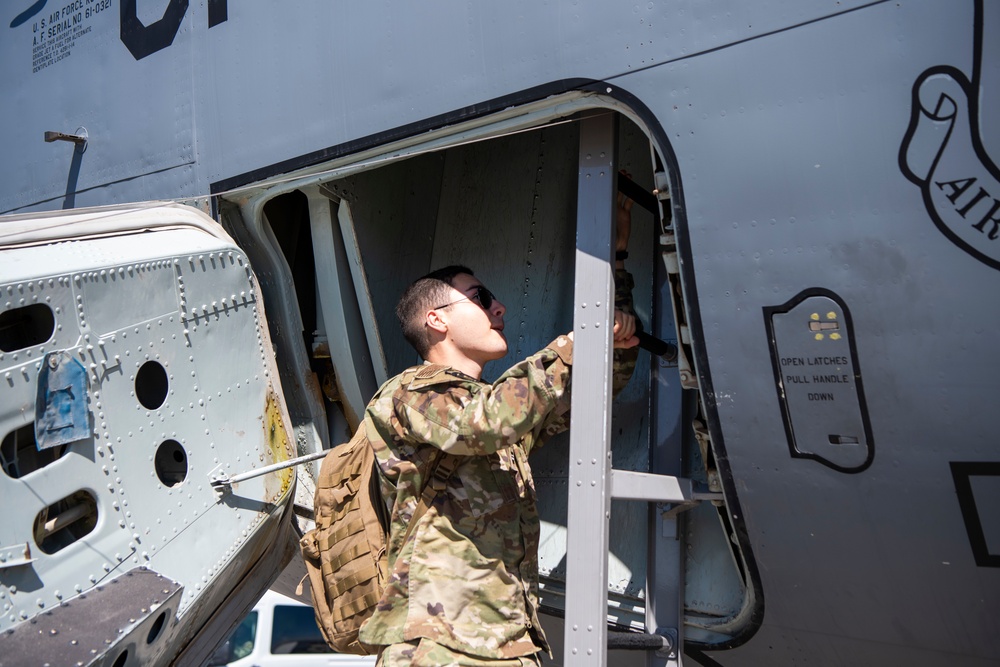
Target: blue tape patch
x=61 y=414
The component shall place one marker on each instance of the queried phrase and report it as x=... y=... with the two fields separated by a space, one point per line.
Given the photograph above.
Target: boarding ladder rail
x=592 y=480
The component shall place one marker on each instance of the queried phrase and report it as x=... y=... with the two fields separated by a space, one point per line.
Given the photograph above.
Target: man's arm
x=623 y=364
x=624 y=359
x=466 y=418
x=470 y=419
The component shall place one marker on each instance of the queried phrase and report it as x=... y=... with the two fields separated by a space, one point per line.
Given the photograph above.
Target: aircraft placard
x=819 y=381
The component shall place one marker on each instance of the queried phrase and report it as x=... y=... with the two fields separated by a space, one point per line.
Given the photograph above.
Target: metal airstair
x=593 y=482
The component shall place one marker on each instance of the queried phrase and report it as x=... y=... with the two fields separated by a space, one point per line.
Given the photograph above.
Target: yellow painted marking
x=814 y=316
x=831 y=315
x=835 y=336
x=276 y=441
x=819 y=336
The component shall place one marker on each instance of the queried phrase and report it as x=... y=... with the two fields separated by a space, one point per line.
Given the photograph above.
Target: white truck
x=281 y=632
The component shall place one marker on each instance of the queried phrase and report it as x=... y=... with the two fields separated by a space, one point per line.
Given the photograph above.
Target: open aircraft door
x=638 y=554
x=136 y=367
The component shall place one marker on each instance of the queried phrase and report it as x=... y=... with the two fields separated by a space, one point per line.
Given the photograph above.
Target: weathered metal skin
x=840 y=154
x=160 y=311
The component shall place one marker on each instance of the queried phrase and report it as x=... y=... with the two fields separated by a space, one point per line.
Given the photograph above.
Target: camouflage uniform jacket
x=467 y=575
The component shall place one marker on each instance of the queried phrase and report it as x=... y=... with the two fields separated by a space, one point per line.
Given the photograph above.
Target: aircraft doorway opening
x=505 y=207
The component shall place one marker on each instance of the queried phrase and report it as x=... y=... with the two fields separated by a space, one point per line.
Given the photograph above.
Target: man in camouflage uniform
x=463 y=581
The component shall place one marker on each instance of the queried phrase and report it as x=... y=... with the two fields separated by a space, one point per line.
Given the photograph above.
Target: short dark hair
x=424 y=294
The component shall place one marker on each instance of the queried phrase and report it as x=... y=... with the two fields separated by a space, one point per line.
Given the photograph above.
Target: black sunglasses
x=482 y=295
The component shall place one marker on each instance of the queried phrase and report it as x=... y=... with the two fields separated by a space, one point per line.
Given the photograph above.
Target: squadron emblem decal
x=943 y=153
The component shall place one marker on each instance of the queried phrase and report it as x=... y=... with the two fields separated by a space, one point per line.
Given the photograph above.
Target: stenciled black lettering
x=827 y=361
x=142 y=40
x=97 y=6
x=957 y=187
x=72 y=8
x=990 y=217
x=830 y=379
x=218 y=12
x=981 y=195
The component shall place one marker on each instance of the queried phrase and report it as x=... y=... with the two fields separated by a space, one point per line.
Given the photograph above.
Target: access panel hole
x=64 y=522
x=171 y=463
x=19 y=452
x=151 y=385
x=25 y=327
x=154 y=632
x=121 y=659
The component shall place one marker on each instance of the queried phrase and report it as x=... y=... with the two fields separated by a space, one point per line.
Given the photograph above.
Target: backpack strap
x=441 y=469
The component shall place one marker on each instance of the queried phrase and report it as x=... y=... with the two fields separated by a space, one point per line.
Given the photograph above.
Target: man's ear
x=436 y=323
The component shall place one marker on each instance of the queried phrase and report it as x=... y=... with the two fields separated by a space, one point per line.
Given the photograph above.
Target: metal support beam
x=361 y=292
x=665 y=542
x=341 y=314
x=590 y=433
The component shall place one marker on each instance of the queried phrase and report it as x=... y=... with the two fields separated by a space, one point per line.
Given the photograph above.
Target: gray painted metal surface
x=628 y=485
x=212 y=125
x=180 y=387
x=767 y=224
x=589 y=494
x=803 y=144
x=341 y=316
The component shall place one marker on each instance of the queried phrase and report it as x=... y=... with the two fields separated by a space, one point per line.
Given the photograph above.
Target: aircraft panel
x=484 y=204
x=819 y=381
x=519 y=46
x=795 y=183
x=211 y=84
x=395 y=210
x=818 y=147
x=986 y=492
x=168 y=403
x=73 y=56
x=152 y=288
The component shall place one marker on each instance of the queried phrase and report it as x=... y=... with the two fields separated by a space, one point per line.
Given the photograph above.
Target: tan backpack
x=345 y=554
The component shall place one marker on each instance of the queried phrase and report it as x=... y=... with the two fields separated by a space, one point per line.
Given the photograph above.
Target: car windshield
x=295 y=631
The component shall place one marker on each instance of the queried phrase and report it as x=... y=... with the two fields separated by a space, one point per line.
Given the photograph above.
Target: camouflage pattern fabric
x=623 y=361
x=426 y=653
x=466 y=577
